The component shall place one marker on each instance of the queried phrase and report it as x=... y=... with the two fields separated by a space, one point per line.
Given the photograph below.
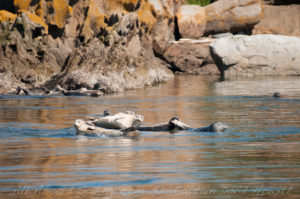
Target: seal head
x=217 y=127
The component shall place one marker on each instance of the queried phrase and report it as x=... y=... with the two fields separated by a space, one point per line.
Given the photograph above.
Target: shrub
x=199 y=2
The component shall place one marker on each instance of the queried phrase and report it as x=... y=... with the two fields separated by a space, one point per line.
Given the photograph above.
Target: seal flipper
x=130 y=132
x=91 y=128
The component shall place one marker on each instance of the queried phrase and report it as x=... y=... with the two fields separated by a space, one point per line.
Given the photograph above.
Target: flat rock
x=257 y=55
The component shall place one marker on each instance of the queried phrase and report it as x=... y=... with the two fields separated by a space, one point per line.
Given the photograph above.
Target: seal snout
x=78 y=122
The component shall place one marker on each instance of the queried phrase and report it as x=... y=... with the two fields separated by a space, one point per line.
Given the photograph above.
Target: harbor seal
x=214 y=127
x=175 y=124
x=277 y=95
x=119 y=121
x=84 y=128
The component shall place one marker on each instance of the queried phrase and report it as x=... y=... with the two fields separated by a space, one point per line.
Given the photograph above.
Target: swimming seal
x=214 y=127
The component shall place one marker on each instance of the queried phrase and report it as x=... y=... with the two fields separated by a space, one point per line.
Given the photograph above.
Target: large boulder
x=191 y=21
x=232 y=15
x=257 y=55
x=283 y=20
x=190 y=57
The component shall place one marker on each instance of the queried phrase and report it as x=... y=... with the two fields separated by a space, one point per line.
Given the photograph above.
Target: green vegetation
x=199 y=2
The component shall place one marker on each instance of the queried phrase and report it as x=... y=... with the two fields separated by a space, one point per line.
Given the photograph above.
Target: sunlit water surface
x=42 y=157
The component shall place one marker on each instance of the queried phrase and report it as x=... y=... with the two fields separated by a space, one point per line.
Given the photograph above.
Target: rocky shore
x=98 y=46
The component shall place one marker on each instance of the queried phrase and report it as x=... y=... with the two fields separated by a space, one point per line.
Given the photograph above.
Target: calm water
x=41 y=157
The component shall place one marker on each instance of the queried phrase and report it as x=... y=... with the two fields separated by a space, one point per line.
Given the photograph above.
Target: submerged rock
x=257 y=55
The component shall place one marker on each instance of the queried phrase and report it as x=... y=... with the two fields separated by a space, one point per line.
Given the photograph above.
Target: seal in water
x=89 y=130
x=277 y=95
x=119 y=121
x=214 y=127
x=175 y=125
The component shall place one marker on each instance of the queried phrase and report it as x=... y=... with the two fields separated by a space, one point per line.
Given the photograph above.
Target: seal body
x=86 y=129
x=119 y=121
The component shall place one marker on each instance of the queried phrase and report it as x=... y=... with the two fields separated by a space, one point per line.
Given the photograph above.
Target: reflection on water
x=41 y=157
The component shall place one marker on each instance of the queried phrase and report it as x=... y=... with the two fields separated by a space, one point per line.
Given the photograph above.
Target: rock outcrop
x=116 y=61
x=282 y=20
x=257 y=55
x=111 y=46
x=232 y=16
x=93 y=44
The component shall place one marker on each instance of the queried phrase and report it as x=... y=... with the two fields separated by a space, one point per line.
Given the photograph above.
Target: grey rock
x=257 y=55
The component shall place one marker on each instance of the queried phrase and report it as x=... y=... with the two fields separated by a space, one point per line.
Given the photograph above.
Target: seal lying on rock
x=119 y=121
x=79 y=92
x=175 y=124
x=84 y=128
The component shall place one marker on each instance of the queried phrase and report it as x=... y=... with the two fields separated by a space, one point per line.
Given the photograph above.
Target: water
x=41 y=157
